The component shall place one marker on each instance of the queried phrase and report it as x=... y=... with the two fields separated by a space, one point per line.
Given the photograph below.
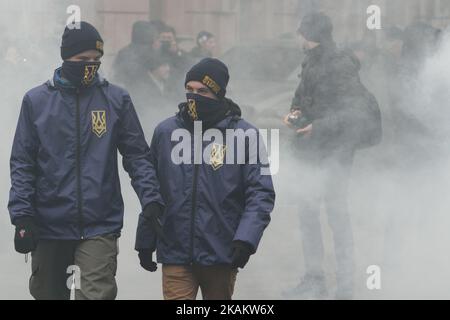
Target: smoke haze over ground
x=398 y=197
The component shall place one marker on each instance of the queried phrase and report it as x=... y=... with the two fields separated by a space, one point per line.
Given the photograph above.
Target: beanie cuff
x=69 y=51
x=194 y=75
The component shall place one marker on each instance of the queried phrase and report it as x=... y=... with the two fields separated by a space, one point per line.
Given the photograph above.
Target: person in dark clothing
x=405 y=130
x=169 y=48
x=65 y=197
x=213 y=213
x=159 y=26
x=419 y=41
x=127 y=67
x=329 y=112
x=152 y=94
x=179 y=60
x=206 y=43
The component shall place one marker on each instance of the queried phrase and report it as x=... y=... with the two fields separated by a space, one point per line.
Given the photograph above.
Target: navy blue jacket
x=206 y=208
x=64 y=158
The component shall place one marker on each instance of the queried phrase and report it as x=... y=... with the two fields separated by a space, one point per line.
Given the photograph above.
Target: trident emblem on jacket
x=217 y=155
x=99 y=122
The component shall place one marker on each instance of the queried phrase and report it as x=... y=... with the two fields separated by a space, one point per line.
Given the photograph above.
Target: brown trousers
x=181 y=282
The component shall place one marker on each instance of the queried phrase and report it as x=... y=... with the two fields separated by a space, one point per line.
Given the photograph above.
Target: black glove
x=146 y=260
x=26 y=236
x=241 y=252
x=152 y=212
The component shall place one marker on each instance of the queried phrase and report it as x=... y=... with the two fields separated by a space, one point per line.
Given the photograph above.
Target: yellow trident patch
x=217 y=155
x=192 y=109
x=99 y=122
x=89 y=74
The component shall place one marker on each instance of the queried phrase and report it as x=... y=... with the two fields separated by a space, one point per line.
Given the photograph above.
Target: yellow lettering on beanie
x=99 y=45
x=210 y=83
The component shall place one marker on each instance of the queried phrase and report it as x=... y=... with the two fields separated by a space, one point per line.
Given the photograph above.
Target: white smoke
x=398 y=199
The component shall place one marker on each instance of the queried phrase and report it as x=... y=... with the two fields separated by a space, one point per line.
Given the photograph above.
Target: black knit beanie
x=76 y=40
x=316 y=27
x=213 y=73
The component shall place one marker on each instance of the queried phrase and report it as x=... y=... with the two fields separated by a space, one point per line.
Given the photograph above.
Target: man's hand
x=152 y=213
x=241 y=253
x=26 y=235
x=146 y=260
x=294 y=113
x=306 y=131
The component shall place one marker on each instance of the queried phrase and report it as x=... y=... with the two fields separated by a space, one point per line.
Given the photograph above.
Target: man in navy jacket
x=213 y=212
x=65 y=198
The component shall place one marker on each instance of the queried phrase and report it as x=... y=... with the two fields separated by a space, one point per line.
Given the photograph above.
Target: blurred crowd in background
x=153 y=66
x=264 y=73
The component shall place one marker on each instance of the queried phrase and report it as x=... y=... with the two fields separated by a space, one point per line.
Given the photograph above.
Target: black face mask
x=80 y=73
x=207 y=110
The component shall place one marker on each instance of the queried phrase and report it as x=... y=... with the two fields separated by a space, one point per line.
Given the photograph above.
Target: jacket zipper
x=194 y=201
x=78 y=168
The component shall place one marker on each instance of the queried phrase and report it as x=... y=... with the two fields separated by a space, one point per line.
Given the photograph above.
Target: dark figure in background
x=330 y=113
x=178 y=59
x=419 y=41
x=159 y=26
x=404 y=61
x=158 y=73
x=206 y=44
x=152 y=94
x=127 y=67
x=415 y=140
x=391 y=50
x=169 y=47
x=370 y=57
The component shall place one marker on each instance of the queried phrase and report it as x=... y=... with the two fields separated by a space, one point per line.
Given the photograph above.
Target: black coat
x=332 y=96
x=128 y=67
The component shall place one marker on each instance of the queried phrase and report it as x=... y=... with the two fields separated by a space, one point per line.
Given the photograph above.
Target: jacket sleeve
x=145 y=236
x=296 y=101
x=137 y=158
x=259 y=197
x=23 y=165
